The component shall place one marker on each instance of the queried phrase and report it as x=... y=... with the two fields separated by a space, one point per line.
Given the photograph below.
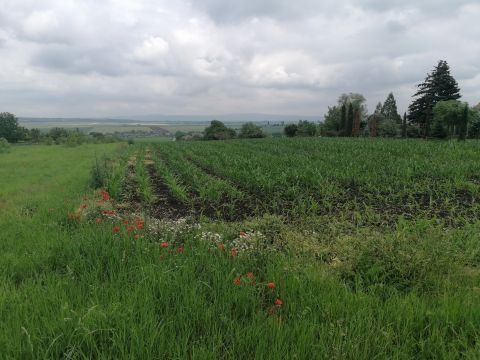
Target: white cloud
x=83 y=58
x=153 y=48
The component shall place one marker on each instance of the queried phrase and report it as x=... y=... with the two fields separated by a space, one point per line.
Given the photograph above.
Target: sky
x=101 y=58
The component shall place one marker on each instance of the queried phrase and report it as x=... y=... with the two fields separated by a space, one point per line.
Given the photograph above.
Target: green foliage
x=388 y=128
x=290 y=130
x=306 y=128
x=334 y=120
x=4 y=145
x=9 y=128
x=404 y=126
x=76 y=289
x=99 y=173
x=218 y=131
x=339 y=118
x=74 y=138
x=390 y=111
x=452 y=117
x=251 y=130
x=57 y=134
x=414 y=259
x=438 y=86
x=347 y=131
x=474 y=124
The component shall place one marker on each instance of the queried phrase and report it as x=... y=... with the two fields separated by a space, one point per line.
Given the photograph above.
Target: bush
x=291 y=130
x=306 y=128
x=218 y=131
x=4 y=145
x=251 y=131
x=388 y=128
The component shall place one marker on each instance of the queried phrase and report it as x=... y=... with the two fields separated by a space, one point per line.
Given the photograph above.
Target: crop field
x=314 y=248
x=371 y=182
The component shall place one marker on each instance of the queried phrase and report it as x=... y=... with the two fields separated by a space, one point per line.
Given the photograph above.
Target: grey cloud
x=97 y=58
x=78 y=61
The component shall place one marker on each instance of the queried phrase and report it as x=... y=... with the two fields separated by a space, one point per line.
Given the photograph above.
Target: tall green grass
x=73 y=289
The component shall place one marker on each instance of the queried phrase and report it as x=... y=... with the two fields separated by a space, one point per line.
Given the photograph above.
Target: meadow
x=272 y=249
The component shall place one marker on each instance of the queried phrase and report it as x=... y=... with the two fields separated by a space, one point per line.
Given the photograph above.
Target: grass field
x=268 y=249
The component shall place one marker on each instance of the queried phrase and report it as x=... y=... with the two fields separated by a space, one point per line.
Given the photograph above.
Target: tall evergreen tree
x=389 y=109
x=404 y=126
x=350 y=115
x=437 y=86
x=343 y=118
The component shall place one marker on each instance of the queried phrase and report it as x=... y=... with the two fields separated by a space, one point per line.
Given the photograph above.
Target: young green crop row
x=316 y=176
x=207 y=194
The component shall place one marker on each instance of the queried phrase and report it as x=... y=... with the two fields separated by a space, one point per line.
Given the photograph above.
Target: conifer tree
x=389 y=109
x=437 y=86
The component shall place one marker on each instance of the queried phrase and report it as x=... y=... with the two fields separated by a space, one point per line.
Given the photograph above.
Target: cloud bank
x=127 y=57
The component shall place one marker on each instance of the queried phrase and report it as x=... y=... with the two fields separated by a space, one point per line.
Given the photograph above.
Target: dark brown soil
x=130 y=193
x=166 y=206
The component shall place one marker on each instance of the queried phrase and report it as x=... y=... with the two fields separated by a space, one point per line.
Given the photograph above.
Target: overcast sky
x=134 y=57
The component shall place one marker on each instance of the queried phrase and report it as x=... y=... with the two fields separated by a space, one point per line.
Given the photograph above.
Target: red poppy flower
x=137 y=236
x=125 y=222
x=105 y=195
x=130 y=228
x=250 y=275
x=98 y=221
x=164 y=244
x=278 y=302
x=116 y=229
x=221 y=246
x=237 y=281
x=181 y=249
x=139 y=223
x=271 y=285
x=233 y=252
x=99 y=201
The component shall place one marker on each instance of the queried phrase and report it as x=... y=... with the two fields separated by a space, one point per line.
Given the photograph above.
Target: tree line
x=435 y=112
x=12 y=132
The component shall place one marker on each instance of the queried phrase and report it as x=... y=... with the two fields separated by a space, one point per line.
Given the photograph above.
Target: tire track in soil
x=256 y=203
x=199 y=208
x=131 y=199
x=166 y=206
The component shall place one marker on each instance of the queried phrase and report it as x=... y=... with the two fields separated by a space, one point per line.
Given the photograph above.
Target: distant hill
x=157 y=118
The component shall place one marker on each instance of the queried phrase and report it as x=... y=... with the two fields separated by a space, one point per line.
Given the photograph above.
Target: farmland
x=270 y=248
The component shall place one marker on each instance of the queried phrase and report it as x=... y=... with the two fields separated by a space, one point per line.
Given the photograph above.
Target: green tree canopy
x=9 y=128
x=290 y=130
x=218 y=131
x=251 y=130
x=306 y=128
x=449 y=119
x=439 y=85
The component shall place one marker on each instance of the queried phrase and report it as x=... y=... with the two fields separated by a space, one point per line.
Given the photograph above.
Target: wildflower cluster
x=249 y=279
x=250 y=241
x=175 y=228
